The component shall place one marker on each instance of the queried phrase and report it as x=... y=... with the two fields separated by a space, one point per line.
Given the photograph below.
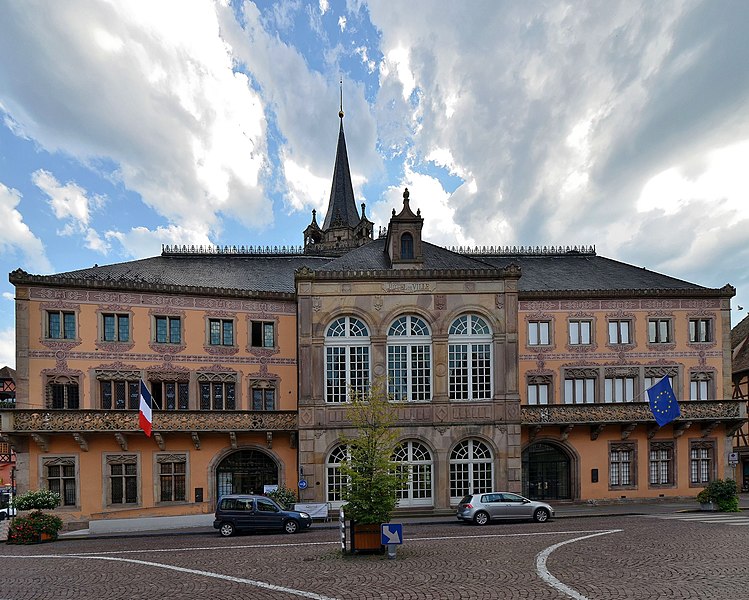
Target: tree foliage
x=373 y=478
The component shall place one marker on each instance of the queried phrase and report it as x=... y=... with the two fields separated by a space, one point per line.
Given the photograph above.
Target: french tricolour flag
x=146 y=402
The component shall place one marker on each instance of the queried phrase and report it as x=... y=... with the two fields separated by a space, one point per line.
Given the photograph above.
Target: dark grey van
x=242 y=512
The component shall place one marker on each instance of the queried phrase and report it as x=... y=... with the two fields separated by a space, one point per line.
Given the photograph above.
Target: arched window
x=407 y=246
x=335 y=480
x=415 y=458
x=409 y=347
x=471 y=469
x=346 y=359
x=470 y=359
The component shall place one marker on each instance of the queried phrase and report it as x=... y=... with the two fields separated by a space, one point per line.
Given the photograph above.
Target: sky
x=129 y=124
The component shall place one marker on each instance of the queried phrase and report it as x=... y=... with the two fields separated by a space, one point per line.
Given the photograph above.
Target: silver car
x=482 y=508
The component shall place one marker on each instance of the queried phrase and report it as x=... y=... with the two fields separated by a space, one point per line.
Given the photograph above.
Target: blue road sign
x=302 y=484
x=391 y=533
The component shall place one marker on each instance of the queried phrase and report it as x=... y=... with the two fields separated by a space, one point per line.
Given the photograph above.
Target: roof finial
x=340 y=112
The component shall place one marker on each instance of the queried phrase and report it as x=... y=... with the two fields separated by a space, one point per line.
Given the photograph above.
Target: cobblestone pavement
x=620 y=557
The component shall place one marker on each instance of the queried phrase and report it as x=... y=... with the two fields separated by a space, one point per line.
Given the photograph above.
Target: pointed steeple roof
x=342 y=206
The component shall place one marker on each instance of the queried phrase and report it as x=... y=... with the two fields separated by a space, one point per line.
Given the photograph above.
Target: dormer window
x=407 y=246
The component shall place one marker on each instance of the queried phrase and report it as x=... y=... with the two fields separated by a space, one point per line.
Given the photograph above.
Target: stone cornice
x=726 y=291
x=307 y=274
x=20 y=277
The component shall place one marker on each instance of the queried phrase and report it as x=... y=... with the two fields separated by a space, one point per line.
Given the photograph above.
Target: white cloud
x=17 y=236
x=342 y=23
x=72 y=205
x=160 y=98
x=8 y=347
x=141 y=242
x=324 y=6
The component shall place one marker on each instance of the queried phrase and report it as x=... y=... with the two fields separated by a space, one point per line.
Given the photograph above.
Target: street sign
x=733 y=458
x=391 y=533
x=302 y=484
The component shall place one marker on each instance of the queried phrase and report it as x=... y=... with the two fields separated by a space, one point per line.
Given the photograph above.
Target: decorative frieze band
x=28 y=421
x=625 y=412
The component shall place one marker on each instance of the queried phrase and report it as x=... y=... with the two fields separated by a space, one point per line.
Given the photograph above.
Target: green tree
x=373 y=478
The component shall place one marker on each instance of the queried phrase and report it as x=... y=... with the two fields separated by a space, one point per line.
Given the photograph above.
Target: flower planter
x=366 y=537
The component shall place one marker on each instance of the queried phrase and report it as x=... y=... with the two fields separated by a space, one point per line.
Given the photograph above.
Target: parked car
x=482 y=508
x=6 y=512
x=243 y=512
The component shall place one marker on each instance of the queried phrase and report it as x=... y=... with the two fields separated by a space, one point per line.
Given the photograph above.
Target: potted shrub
x=720 y=494
x=373 y=478
x=36 y=526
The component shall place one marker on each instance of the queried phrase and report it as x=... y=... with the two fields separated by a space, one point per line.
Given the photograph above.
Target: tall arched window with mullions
x=470 y=359
x=409 y=346
x=346 y=359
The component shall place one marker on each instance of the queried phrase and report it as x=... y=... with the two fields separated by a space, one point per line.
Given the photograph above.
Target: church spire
x=341 y=206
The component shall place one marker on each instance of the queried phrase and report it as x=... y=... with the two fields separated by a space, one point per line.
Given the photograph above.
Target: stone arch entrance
x=245 y=472
x=547 y=472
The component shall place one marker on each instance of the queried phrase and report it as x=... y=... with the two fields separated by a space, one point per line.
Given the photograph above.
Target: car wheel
x=226 y=529
x=541 y=515
x=481 y=518
x=291 y=526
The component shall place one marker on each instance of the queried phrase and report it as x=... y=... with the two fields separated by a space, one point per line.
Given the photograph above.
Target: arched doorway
x=546 y=473
x=245 y=472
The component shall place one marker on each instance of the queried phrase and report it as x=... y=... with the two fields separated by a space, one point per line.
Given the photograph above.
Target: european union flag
x=663 y=402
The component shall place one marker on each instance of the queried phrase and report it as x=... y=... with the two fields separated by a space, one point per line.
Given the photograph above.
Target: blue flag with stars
x=663 y=402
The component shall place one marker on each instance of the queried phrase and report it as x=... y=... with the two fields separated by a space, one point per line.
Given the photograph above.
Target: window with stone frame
x=622 y=465
x=701 y=461
x=580 y=386
x=263 y=395
x=347 y=356
x=115 y=327
x=123 y=479
x=62 y=391
x=539 y=333
x=414 y=460
x=118 y=390
x=619 y=331
x=701 y=386
x=660 y=331
x=409 y=355
x=539 y=389
x=262 y=334
x=335 y=481
x=580 y=332
x=221 y=332
x=60 y=325
x=167 y=329
x=700 y=330
x=172 y=469
x=170 y=391
x=661 y=464
x=620 y=384
x=217 y=391
x=471 y=469
x=470 y=359
x=60 y=477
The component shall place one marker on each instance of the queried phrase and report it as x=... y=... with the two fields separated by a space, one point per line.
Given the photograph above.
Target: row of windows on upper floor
x=214 y=393
x=604 y=384
x=581 y=332
x=166 y=329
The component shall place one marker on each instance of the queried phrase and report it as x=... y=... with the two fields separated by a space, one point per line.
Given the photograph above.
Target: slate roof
x=240 y=272
x=585 y=272
x=372 y=257
x=7 y=373
x=740 y=346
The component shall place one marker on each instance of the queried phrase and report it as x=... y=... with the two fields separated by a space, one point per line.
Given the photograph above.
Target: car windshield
x=466 y=499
